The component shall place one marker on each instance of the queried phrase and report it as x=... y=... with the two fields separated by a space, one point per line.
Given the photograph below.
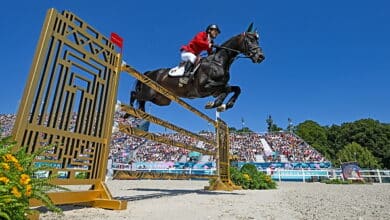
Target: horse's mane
x=226 y=44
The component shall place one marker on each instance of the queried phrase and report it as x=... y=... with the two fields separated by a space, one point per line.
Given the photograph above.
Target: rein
x=233 y=50
x=237 y=51
x=228 y=48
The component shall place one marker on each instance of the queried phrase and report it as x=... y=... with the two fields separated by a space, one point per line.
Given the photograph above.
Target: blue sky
x=327 y=61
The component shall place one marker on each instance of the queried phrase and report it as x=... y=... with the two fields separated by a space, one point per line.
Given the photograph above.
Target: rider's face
x=213 y=33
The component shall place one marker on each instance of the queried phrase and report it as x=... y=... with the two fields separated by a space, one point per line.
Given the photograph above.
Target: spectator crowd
x=247 y=147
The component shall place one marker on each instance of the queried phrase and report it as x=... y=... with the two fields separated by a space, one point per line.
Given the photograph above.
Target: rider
x=203 y=41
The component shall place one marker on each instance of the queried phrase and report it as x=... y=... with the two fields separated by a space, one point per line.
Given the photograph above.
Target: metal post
x=379 y=175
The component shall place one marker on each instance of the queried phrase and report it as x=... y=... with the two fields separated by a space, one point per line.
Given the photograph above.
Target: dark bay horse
x=210 y=79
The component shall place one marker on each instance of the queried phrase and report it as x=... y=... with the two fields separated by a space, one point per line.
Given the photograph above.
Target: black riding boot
x=188 y=68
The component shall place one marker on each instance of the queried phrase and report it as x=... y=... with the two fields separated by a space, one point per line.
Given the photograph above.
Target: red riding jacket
x=198 y=44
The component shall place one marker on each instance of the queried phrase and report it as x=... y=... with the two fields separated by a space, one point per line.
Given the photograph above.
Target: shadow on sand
x=158 y=193
x=146 y=193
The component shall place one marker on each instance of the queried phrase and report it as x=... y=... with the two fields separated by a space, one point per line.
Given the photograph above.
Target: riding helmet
x=213 y=26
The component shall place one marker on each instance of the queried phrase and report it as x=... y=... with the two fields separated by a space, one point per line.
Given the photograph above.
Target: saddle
x=178 y=71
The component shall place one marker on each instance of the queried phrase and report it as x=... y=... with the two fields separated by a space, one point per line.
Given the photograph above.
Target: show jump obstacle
x=69 y=102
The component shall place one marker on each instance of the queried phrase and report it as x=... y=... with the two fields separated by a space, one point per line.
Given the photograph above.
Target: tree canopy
x=367 y=133
x=355 y=152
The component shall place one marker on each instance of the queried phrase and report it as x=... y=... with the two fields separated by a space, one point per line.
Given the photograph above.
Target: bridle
x=247 y=51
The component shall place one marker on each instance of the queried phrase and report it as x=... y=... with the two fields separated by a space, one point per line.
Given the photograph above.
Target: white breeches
x=187 y=56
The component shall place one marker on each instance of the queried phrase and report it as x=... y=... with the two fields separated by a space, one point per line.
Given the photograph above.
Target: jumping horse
x=210 y=79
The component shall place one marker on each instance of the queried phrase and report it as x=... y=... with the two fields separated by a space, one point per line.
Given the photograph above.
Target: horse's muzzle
x=260 y=58
x=257 y=55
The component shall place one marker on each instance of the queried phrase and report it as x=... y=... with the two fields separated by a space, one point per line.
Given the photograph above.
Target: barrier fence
x=69 y=103
x=221 y=143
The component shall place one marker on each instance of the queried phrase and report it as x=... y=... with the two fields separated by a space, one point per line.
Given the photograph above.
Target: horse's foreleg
x=236 y=92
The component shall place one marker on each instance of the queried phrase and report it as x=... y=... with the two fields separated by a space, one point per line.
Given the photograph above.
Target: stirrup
x=186 y=74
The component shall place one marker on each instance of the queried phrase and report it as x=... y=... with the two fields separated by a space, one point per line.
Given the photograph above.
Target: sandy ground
x=186 y=200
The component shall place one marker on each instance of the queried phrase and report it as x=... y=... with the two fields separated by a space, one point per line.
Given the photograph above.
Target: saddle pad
x=176 y=71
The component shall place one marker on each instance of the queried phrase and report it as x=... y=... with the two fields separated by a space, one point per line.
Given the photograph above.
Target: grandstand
x=265 y=150
x=6 y=124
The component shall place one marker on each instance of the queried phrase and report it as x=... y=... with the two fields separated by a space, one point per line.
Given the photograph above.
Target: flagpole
x=217 y=115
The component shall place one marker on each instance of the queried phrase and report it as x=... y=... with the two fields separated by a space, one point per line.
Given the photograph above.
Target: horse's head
x=250 y=46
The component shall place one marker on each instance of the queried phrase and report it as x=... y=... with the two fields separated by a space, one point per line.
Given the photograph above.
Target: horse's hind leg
x=141 y=105
x=132 y=98
x=218 y=101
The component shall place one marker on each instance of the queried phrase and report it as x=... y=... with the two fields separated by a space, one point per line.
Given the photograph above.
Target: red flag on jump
x=117 y=40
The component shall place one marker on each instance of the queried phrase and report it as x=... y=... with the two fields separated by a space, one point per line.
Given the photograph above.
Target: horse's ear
x=250 y=28
x=256 y=33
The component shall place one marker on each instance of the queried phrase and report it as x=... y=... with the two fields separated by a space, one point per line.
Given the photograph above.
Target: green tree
x=335 y=140
x=314 y=135
x=245 y=130
x=275 y=128
x=232 y=129
x=370 y=133
x=355 y=152
x=271 y=127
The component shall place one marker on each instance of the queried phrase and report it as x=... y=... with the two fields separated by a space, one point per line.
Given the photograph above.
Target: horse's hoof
x=221 y=108
x=209 y=105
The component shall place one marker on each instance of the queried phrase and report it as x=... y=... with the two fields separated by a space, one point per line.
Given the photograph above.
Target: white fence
x=309 y=175
x=278 y=174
